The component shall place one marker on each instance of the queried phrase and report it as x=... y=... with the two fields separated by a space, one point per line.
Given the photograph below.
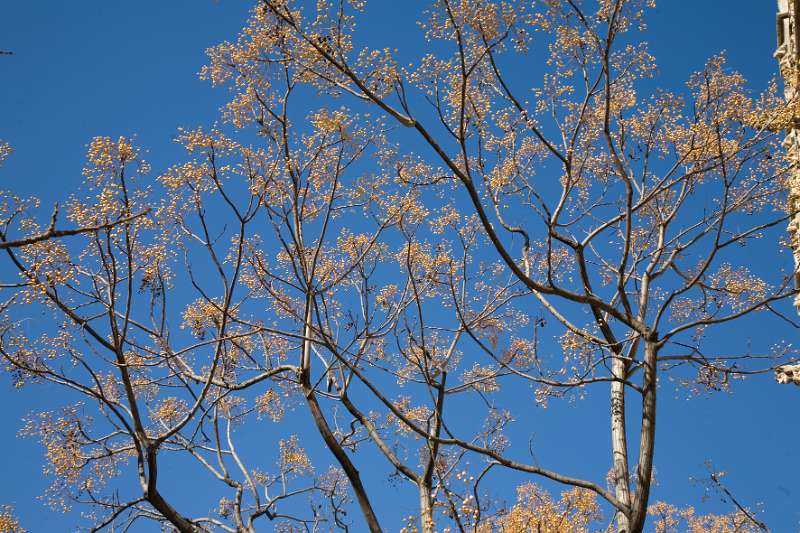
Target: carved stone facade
x=788 y=374
x=788 y=56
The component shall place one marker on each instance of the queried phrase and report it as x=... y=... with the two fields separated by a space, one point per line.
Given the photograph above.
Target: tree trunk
x=644 y=471
x=324 y=429
x=619 y=444
x=426 y=509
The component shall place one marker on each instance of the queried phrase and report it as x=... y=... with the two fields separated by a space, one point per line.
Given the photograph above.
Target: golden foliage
x=293 y=458
x=8 y=522
x=536 y=510
x=270 y=404
x=669 y=519
x=5 y=150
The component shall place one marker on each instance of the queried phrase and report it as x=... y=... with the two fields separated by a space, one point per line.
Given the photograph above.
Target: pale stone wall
x=788 y=374
x=787 y=54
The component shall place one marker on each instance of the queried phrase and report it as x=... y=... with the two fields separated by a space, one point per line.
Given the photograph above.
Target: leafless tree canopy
x=405 y=249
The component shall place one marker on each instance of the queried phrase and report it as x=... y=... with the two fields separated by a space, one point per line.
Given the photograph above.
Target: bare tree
x=368 y=267
x=15 y=208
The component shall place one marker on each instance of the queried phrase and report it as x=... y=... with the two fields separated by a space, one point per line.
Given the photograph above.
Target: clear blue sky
x=95 y=67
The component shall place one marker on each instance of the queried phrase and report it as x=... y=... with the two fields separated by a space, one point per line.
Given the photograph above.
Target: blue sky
x=90 y=68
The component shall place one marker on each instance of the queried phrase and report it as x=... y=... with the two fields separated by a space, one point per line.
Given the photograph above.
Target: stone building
x=788 y=54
